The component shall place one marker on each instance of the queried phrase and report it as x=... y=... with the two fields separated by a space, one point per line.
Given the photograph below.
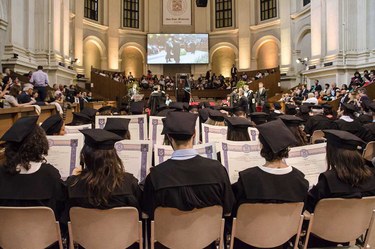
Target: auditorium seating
x=187 y=230
x=342 y=220
x=112 y=228
x=369 y=151
x=267 y=225
x=28 y=227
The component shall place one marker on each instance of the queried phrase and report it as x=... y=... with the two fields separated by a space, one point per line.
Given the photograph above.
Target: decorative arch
x=262 y=41
x=98 y=42
x=303 y=31
x=219 y=45
x=135 y=45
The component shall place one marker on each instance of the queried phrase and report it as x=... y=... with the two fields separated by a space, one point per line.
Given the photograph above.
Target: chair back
x=28 y=227
x=194 y=229
x=267 y=225
x=112 y=228
x=341 y=220
x=317 y=136
x=369 y=151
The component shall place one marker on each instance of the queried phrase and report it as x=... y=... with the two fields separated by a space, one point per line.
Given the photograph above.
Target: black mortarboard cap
x=180 y=123
x=316 y=107
x=327 y=106
x=162 y=106
x=203 y=114
x=290 y=109
x=277 y=136
x=117 y=125
x=179 y=106
x=137 y=107
x=291 y=120
x=79 y=117
x=185 y=105
x=259 y=117
x=105 y=109
x=20 y=129
x=349 y=107
x=277 y=106
x=343 y=139
x=216 y=115
x=304 y=109
x=89 y=112
x=237 y=122
x=100 y=139
x=53 y=124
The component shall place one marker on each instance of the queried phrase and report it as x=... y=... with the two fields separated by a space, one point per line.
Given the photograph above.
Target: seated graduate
x=238 y=129
x=318 y=120
x=276 y=112
x=54 y=126
x=347 y=175
x=119 y=126
x=294 y=125
x=26 y=179
x=215 y=118
x=80 y=118
x=347 y=122
x=258 y=118
x=186 y=180
x=275 y=181
x=102 y=182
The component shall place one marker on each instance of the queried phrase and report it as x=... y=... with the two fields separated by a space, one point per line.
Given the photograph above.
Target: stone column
x=114 y=23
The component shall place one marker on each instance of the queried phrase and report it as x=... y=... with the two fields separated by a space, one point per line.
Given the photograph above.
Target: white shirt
x=346 y=118
x=34 y=167
x=276 y=171
x=39 y=78
x=312 y=100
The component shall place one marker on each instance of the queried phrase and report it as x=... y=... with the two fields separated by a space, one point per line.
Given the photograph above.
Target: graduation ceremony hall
x=187 y=124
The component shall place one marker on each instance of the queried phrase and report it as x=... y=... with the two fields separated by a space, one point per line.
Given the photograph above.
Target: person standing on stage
x=233 y=72
x=40 y=80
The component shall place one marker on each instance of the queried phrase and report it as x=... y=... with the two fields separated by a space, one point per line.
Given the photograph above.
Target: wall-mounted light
x=75 y=60
x=302 y=61
x=15 y=56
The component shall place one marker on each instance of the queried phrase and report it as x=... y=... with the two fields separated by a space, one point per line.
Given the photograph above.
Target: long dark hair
x=103 y=172
x=238 y=134
x=348 y=165
x=32 y=149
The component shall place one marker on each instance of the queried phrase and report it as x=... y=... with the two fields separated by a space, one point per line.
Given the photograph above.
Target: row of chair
x=260 y=225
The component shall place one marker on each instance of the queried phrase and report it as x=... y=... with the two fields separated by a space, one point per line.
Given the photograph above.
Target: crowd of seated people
x=102 y=181
x=15 y=93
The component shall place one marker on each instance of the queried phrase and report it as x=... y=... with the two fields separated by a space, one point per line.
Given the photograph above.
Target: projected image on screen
x=177 y=49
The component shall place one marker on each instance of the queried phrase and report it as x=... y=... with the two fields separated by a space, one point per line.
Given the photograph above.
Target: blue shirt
x=184 y=154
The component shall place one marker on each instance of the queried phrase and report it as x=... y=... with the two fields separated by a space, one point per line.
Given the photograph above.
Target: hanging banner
x=176 y=12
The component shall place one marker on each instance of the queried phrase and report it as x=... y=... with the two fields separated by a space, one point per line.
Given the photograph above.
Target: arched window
x=91 y=9
x=306 y=2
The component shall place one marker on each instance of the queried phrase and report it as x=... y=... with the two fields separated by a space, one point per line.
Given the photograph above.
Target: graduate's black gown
x=330 y=186
x=41 y=188
x=257 y=186
x=352 y=127
x=318 y=122
x=367 y=132
x=187 y=184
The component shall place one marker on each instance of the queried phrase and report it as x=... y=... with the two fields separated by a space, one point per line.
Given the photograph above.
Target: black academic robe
x=243 y=103
x=154 y=102
x=42 y=188
x=330 y=186
x=273 y=116
x=352 y=127
x=257 y=186
x=128 y=195
x=318 y=122
x=365 y=119
x=187 y=184
x=367 y=132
